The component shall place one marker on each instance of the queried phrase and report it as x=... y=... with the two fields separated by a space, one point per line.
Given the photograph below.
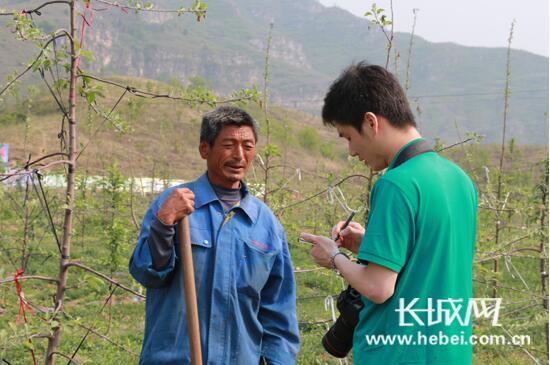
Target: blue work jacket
x=244 y=280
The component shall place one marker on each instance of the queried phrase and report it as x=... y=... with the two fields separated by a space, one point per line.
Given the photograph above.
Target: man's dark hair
x=363 y=88
x=215 y=120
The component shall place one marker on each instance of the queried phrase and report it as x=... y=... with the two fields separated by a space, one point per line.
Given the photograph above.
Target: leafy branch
x=377 y=18
x=198 y=8
x=37 y=9
x=36 y=61
x=200 y=98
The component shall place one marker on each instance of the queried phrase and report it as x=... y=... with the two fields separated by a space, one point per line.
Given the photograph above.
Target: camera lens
x=339 y=338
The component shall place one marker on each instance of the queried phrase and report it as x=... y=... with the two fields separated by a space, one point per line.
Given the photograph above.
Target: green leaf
x=92 y=92
x=28 y=345
x=61 y=54
x=46 y=64
x=61 y=84
x=90 y=97
x=272 y=150
x=87 y=55
x=36 y=65
x=54 y=325
x=94 y=283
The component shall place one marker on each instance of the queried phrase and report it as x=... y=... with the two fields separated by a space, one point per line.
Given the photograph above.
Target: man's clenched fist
x=179 y=204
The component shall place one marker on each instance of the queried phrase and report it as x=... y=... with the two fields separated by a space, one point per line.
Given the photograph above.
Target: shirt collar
x=204 y=194
x=394 y=159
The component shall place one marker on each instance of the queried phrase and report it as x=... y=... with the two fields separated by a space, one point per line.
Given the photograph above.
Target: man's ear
x=371 y=123
x=204 y=149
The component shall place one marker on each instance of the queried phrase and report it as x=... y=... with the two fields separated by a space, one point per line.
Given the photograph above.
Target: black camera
x=339 y=338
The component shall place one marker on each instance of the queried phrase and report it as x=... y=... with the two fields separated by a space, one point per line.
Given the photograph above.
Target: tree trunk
x=53 y=341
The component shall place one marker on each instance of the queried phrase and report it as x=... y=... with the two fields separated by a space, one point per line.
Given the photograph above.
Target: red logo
x=258 y=244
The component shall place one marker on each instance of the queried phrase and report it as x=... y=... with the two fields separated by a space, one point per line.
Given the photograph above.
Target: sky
x=484 y=23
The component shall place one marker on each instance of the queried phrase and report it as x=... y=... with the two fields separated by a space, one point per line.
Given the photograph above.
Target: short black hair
x=363 y=88
x=215 y=120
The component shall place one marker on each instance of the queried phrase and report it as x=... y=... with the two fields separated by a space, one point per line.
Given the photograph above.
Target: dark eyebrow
x=233 y=139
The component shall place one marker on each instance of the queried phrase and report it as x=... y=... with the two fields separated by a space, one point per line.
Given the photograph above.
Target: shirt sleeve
x=390 y=228
x=161 y=242
x=277 y=314
x=142 y=265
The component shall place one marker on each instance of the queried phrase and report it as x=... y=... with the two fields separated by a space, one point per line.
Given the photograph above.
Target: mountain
x=454 y=88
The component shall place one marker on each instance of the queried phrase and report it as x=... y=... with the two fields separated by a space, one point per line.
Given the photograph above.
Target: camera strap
x=412 y=150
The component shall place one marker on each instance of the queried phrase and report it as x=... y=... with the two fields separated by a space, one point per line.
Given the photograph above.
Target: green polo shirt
x=422 y=225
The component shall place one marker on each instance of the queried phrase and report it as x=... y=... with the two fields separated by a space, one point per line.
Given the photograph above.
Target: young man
x=417 y=250
x=244 y=278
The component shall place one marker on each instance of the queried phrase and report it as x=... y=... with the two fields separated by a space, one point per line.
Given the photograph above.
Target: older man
x=245 y=286
x=416 y=253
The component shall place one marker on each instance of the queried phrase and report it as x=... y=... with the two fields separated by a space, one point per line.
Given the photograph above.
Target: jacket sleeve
x=277 y=314
x=142 y=262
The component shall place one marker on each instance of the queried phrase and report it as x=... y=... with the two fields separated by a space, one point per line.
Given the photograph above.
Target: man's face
x=363 y=145
x=230 y=156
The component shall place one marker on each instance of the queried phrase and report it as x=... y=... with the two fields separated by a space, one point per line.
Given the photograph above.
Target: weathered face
x=363 y=145
x=230 y=156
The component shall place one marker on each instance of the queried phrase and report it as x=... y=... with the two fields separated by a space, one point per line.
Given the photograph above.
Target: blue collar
x=204 y=194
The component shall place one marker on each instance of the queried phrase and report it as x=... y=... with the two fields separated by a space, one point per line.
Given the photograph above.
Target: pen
x=345 y=225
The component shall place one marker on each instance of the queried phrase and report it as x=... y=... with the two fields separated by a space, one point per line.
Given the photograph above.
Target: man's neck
x=399 y=140
x=227 y=185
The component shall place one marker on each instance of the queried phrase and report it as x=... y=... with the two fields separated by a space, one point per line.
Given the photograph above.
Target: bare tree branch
x=103 y=276
x=508 y=244
x=321 y=192
x=106 y=339
x=29 y=277
x=28 y=172
x=491 y=284
x=454 y=145
x=73 y=361
x=45 y=157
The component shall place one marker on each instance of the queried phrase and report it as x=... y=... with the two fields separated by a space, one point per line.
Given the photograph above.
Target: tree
x=58 y=64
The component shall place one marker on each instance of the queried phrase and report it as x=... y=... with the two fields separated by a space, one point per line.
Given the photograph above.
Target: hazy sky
x=468 y=22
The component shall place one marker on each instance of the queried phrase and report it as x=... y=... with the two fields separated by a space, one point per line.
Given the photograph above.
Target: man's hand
x=322 y=250
x=179 y=204
x=350 y=237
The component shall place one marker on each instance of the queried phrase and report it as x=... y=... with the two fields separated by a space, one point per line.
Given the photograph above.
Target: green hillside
x=454 y=89
x=162 y=136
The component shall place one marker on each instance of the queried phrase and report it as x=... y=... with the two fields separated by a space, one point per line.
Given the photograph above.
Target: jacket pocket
x=200 y=237
x=255 y=263
x=201 y=246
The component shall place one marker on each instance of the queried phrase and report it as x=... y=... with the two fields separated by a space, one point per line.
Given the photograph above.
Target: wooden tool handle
x=193 y=328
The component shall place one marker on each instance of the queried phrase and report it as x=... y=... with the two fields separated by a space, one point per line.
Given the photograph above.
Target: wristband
x=333 y=263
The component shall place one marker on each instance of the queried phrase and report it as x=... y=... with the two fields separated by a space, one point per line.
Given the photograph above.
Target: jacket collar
x=204 y=194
